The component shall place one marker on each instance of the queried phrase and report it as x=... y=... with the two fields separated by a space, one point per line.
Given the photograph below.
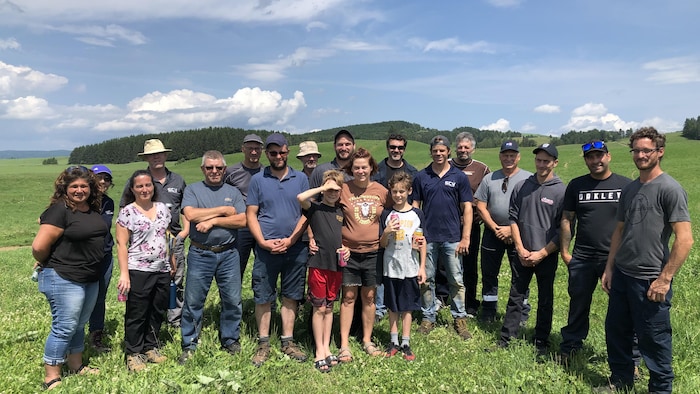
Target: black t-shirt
x=595 y=204
x=327 y=223
x=77 y=254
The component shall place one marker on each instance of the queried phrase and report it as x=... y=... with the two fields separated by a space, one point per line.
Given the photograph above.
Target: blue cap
x=101 y=169
x=277 y=139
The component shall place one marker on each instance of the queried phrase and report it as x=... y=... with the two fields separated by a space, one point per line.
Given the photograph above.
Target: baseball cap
x=510 y=145
x=549 y=148
x=594 y=146
x=101 y=169
x=277 y=139
x=343 y=132
x=252 y=138
x=439 y=140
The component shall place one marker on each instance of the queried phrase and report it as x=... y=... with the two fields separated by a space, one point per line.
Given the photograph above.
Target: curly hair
x=649 y=132
x=361 y=153
x=70 y=175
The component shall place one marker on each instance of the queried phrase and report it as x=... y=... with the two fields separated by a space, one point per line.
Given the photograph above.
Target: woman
x=97 y=319
x=69 y=248
x=145 y=274
x=362 y=201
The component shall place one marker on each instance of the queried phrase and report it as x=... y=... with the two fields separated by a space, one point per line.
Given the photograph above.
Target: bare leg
x=262 y=318
x=288 y=311
x=327 y=329
x=368 y=311
x=407 y=320
x=393 y=322
x=318 y=326
x=347 y=310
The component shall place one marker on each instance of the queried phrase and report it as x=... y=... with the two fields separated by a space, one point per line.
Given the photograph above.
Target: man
x=640 y=267
x=590 y=203
x=344 y=146
x=465 y=144
x=308 y=155
x=443 y=192
x=493 y=203
x=535 y=215
x=273 y=218
x=394 y=162
x=238 y=175
x=170 y=189
x=215 y=211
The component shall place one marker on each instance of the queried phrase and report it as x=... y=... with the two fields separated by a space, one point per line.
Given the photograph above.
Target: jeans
x=381 y=309
x=71 y=304
x=630 y=311
x=203 y=266
x=178 y=249
x=145 y=309
x=245 y=244
x=522 y=276
x=97 y=318
x=445 y=253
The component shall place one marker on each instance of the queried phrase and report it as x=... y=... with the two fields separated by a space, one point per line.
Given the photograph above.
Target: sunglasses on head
x=593 y=145
x=82 y=169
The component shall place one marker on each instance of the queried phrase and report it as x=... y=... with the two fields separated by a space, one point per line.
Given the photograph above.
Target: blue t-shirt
x=441 y=200
x=278 y=208
x=201 y=195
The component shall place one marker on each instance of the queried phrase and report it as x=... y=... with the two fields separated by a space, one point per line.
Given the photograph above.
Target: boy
x=404 y=262
x=324 y=277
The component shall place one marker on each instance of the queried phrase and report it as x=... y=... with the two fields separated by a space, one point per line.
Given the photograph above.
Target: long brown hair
x=70 y=175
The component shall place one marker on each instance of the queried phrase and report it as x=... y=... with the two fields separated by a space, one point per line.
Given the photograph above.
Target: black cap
x=345 y=133
x=549 y=148
x=510 y=145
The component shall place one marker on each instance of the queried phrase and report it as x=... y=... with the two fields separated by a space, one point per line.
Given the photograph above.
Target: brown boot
x=461 y=328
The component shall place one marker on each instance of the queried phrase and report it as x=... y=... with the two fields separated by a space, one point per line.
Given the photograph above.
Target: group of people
x=373 y=235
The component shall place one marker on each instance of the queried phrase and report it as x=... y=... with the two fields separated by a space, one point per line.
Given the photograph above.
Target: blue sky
x=75 y=72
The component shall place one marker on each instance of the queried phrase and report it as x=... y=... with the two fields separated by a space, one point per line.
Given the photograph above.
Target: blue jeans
x=445 y=253
x=202 y=267
x=97 y=318
x=71 y=304
x=245 y=244
x=630 y=311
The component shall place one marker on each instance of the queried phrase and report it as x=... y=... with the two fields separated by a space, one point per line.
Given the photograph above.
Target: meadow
x=444 y=363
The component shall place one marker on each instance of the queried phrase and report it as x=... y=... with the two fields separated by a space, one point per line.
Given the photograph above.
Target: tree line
x=691 y=128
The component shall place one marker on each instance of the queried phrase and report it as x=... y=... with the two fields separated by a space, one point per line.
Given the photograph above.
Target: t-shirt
x=77 y=254
x=400 y=259
x=362 y=208
x=475 y=170
x=536 y=208
x=148 y=249
x=648 y=209
x=490 y=191
x=595 y=204
x=442 y=199
x=276 y=199
x=327 y=223
x=239 y=176
x=201 y=195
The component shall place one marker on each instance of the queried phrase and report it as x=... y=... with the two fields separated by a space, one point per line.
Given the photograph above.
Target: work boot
x=461 y=328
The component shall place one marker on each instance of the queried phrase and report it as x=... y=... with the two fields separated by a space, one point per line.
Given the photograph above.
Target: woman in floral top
x=145 y=271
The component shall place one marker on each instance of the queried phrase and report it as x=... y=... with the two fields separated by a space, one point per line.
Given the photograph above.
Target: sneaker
x=186 y=355
x=136 y=362
x=408 y=353
x=233 y=348
x=95 y=340
x=155 y=356
x=291 y=349
x=261 y=354
x=426 y=326
x=391 y=350
x=461 y=328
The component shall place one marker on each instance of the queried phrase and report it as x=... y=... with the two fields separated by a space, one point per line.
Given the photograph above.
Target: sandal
x=322 y=366
x=345 y=355
x=85 y=370
x=371 y=349
x=51 y=384
x=332 y=360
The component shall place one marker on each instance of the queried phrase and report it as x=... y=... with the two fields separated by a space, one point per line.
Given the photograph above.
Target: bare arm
x=41 y=246
x=305 y=197
x=122 y=236
x=565 y=234
x=467 y=217
x=198 y=215
x=185 y=232
x=679 y=253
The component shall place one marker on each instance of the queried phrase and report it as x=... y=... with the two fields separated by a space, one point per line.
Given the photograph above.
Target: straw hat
x=153 y=146
x=308 y=148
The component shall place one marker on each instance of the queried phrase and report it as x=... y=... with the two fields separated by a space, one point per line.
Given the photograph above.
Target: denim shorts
x=290 y=267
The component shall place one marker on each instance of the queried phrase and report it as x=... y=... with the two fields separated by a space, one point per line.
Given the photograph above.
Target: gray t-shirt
x=201 y=195
x=647 y=211
x=239 y=176
x=490 y=191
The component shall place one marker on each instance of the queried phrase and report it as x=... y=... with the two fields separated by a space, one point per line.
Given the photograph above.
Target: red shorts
x=324 y=286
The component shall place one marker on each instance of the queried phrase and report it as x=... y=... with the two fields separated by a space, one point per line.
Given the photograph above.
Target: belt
x=215 y=249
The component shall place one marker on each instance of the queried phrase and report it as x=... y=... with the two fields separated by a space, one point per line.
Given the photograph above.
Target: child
x=324 y=278
x=404 y=262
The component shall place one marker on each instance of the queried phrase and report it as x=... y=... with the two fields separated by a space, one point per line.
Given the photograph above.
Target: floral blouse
x=148 y=249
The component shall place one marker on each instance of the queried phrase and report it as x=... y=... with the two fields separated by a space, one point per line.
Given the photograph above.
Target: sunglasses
x=593 y=145
x=211 y=168
x=504 y=185
x=104 y=177
x=275 y=153
x=82 y=169
x=397 y=147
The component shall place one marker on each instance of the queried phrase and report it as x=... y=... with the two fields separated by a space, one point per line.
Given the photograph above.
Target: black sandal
x=322 y=366
x=85 y=370
x=50 y=384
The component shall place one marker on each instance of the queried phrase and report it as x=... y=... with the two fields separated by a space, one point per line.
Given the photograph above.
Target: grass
x=443 y=363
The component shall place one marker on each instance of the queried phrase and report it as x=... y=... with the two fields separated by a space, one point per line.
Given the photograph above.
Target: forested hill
x=32 y=154
x=190 y=144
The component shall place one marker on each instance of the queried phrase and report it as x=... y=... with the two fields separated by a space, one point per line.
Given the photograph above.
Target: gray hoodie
x=536 y=209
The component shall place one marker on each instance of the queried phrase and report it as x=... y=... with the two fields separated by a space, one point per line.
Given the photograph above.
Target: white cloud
x=452 y=45
x=596 y=116
x=548 y=109
x=528 y=127
x=24 y=108
x=10 y=43
x=275 y=70
x=102 y=35
x=316 y=25
x=17 y=81
x=674 y=70
x=347 y=45
x=590 y=109
x=500 y=125
x=174 y=100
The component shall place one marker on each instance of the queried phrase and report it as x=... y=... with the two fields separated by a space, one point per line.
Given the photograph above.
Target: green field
x=443 y=364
